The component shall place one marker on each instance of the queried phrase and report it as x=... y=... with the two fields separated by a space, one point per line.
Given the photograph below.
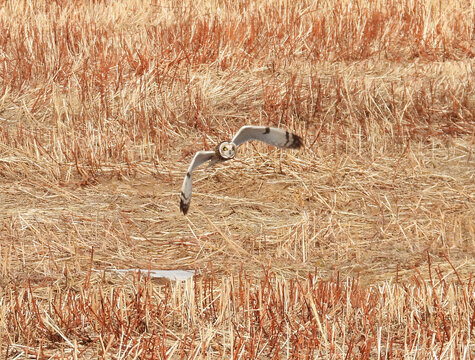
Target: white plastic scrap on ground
x=176 y=275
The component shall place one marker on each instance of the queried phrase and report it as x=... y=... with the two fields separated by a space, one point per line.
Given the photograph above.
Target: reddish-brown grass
x=360 y=245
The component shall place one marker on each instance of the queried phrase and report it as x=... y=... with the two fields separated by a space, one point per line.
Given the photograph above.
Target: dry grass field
x=360 y=245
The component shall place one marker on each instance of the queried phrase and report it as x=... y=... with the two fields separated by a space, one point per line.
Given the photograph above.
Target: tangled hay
x=359 y=245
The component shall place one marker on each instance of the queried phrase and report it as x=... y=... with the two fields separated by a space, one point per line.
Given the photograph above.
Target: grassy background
x=102 y=106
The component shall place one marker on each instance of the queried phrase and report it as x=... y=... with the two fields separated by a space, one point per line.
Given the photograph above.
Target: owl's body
x=226 y=150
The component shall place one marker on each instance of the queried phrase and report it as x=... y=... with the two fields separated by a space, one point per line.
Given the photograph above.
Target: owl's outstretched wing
x=186 y=189
x=269 y=135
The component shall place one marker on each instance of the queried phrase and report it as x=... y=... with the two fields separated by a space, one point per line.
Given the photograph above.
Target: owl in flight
x=227 y=149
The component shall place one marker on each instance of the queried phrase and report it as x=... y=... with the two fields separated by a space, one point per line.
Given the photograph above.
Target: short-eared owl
x=226 y=150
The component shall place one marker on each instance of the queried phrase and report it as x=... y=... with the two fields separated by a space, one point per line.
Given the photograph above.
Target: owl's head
x=227 y=150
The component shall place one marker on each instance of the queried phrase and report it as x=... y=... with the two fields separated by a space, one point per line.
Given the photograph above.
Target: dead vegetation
x=359 y=246
x=243 y=317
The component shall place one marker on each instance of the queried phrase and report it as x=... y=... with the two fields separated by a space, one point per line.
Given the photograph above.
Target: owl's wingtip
x=297 y=142
x=184 y=206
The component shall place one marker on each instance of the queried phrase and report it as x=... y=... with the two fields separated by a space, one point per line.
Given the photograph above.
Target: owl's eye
x=225 y=148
